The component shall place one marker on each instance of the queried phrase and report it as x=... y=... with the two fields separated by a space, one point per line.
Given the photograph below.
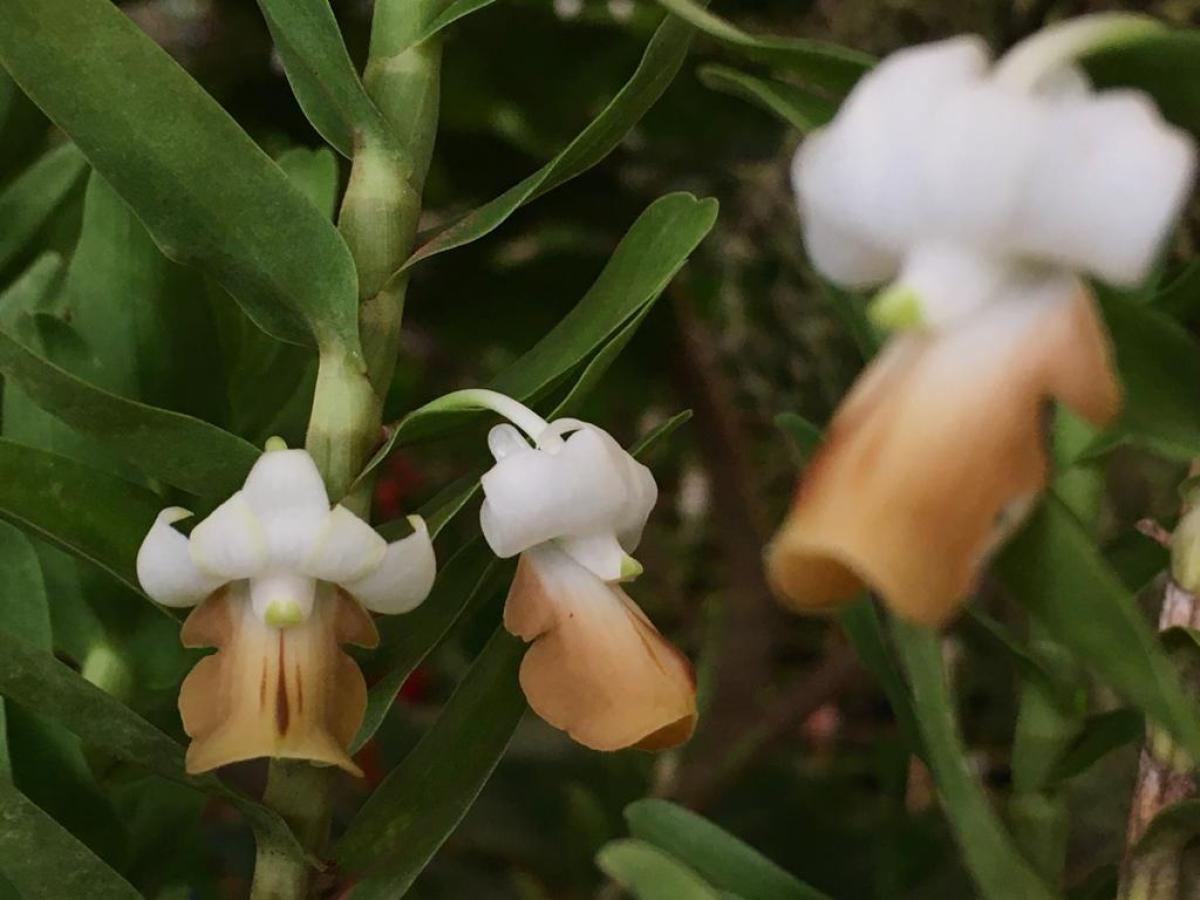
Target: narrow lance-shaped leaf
x=722 y=860
x=826 y=65
x=643 y=264
x=207 y=194
x=188 y=453
x=1052 y=567
x=649 y=873
x=661 y=62
x=423 y=799
x=88 y=512
x=1159 y=367
x=994 y=861
x=27 y=202
x=37 y=680
x=44 y=861
x=320 y=72
x=793 y=105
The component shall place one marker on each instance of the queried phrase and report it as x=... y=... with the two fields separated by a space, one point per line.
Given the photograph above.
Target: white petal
x=347 y=549
x=282 y=599
x=588 y=486
x=231 y=541
x=287 y=494
x=165 y=568
x=860 y=178
x=504 y=440
x=403 y=579
x=602 y=554
x=1107 y=187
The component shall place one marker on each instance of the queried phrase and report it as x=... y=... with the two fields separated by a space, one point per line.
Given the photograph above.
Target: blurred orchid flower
x=572 y=503
x=980 y=195
x=280 y=581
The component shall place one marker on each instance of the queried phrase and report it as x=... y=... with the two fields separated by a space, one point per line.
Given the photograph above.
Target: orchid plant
x=251 y=513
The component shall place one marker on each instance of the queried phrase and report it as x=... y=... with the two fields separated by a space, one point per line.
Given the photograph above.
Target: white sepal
x=286 y=493
x=346 y=550
x=231 y=542
x=404 y=576
x=165 y=568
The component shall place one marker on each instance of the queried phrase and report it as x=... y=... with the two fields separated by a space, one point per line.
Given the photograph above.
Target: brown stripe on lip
x=282 y=713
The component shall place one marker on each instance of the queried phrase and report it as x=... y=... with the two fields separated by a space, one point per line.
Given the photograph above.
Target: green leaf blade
x=720 y=859
x=207 y=194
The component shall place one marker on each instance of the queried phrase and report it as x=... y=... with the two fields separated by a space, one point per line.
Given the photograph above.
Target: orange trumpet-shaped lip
x=596 y=668
x=286 y=693
x=936 y=449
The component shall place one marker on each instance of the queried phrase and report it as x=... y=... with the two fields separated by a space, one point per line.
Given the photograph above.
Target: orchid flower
x=279 y=581
x=572 y=503
x=979 y=195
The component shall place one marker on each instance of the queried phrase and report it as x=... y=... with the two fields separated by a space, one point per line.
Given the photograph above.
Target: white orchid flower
x=981 y=194
x=281 y=581
x=959 y=182
x=572 y=503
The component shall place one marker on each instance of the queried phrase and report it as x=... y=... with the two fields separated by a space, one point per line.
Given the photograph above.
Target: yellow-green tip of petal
x=630 y=568
x=896 y=308
x=283 y=614
x=275 y=442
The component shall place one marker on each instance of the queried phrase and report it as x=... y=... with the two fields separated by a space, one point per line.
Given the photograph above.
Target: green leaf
x=319 y=69
x=45 y=862
x=987 y=630
x=650 y=874
x=599 y=365
x=470 y=576
x=803 y=435
x=643 y=264
x=315 y=172
x=1162 y=61
x=1100 y=735
x=1053 y=568
x=27 y=202
x=825 y=65
x=31 y=288
x=1173 y=827
x=141 y=324
x=792 y=105
x=37 y=680
x=661 y=62
x=451 y=14
x=860 y=620
x=182 y=451
x=1180 y=299
x=206 y=193
x=90 y=513
x=1159 y=367
x=990 y=854
x=654 y=438
x=423 y=799
x=719 y=858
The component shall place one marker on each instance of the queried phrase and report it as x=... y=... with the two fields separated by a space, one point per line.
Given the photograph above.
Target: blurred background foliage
x=797 y=752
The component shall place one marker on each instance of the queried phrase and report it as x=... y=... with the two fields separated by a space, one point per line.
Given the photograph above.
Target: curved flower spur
x=279 y=581
x=572 y=503
x=981 y=193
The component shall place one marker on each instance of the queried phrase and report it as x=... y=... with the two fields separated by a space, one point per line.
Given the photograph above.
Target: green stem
x=378 y=221
x=1045 y=729
x=300 y=793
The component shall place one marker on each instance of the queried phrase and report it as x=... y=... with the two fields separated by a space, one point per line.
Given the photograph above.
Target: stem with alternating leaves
x=378 y=221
